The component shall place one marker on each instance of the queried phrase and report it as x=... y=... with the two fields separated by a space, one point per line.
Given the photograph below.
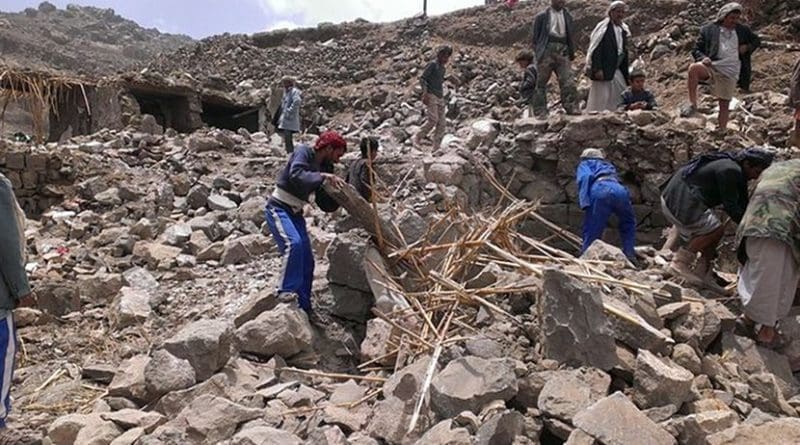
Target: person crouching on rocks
x=768 y=241
x=600 y=195
x=688 y=199
x=305 y=172
x=360 y=175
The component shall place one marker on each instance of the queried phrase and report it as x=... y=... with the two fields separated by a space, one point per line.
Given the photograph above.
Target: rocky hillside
x=79 y=40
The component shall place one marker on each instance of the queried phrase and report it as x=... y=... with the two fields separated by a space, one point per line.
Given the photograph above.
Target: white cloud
x=313 y=12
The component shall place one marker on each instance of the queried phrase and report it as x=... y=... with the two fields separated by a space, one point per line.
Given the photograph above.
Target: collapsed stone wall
x=37 y=175
x=644 y=146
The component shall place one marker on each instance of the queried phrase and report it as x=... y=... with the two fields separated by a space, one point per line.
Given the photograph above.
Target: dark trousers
x=288 y=140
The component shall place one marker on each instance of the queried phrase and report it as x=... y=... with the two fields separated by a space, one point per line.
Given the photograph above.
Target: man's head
x=730 y=15
x=369 y=147
x=288 y=82
x=558 y=5
x=443 y=54
x=754 y=160
x=638 y=79
x=524 y=58
x=593 y=153
x=330 y=147
x=616 y=11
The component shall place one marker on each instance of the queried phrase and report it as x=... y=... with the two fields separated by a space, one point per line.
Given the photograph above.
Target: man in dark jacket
x=691 y=194
x=607 y=60
x=432 y=82
x=554 y=47
x=722 y=57
x=15 y=291
x=303 y=175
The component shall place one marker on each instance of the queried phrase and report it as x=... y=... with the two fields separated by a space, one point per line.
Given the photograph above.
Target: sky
x=203 y=18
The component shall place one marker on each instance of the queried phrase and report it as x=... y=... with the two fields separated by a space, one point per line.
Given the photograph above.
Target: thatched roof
x=42 y=91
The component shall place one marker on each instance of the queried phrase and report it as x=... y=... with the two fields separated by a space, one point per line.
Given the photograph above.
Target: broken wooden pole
x=365 y=216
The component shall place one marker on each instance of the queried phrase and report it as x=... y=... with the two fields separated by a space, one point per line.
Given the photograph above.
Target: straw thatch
x=42 y=92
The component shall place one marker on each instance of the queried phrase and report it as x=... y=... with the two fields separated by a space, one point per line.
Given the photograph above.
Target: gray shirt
x=433 y=79
x=728 y=64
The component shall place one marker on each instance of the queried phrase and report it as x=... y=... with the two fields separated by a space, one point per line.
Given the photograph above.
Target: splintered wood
x=463 y=266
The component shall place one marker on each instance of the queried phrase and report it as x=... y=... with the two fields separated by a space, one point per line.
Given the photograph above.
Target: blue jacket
x=13 y=278
x=301 y=177
x=589 y=170
x=290 y=110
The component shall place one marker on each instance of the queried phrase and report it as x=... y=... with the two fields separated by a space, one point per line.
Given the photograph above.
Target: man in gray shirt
x=432 y=82
x=15 y=291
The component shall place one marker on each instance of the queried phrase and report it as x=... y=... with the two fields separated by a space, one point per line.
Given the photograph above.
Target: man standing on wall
x=554 y=47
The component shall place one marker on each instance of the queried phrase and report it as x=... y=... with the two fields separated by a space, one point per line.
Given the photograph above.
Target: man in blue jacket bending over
x=305 y=172
x=600 y=195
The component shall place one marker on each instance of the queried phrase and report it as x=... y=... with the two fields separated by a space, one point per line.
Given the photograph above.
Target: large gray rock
x=206 y=344
x=753 y=359
x=283 y=331
x=566 y=393
x=211 y=419
x=501 y=428
x=349 y=419
x=129 y=381
x=615 y=420
x=264 y=435
x=444 y=433
x=166 y=373
x=65 y=429
x=697 y=427
x=346 y=257
x=257 y=304
x=659 y=382
x=129 y=308
x=221 y=203
x=99 y=288
x=376 y=342
x=98 y=432
x=575 y=329
x=198 y=196
x=177 y=234
x=782 y=431
x=173 y=403
x=634 y=330
x=467 y=384
x=139 y=278
x=765 y=394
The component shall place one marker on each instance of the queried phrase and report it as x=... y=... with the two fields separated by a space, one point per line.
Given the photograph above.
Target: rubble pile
x=453 y=310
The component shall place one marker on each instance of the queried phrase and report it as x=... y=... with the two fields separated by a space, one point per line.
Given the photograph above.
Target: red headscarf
x=330 y=138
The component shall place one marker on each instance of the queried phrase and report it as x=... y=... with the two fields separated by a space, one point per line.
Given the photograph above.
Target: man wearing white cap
x=722 y=58
x=607 y=60
x=601 y=195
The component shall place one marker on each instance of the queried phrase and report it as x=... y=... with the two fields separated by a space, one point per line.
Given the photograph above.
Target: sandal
x=778 y=342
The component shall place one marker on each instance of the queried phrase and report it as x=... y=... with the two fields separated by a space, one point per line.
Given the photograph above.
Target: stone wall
x=36 y=174
x=644 y=146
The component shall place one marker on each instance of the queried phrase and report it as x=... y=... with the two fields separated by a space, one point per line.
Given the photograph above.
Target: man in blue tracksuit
x=305 y=172
x=600 y=195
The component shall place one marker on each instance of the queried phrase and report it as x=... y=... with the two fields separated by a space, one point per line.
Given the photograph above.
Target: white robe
x=604 y=94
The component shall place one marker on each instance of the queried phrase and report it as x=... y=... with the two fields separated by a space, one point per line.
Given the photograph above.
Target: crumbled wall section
x=36 y=174
x=645 y=148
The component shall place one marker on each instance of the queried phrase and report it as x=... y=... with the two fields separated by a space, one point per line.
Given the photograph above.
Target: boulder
x=64 y=430
x=659 y=382
x=346 y=257
x=566 y=393
x=210 y=419
x=445 y=433
x=98 y=432
x=129 y=437
x=602 y=251
x=632 y=329
x=130 y=308
x=221 y=203
x=375 y=344
x=468 y=383
x=58 y=299
x=129 y=381
x=257 y=304
x=283 y=331
x=139 y=278
x=697 y=427
x=574 y=326
x=133 y=418
x=328 y=436
x=753 y=359
x=177 y=234
x=165 y=373
x=206 y=344
x=781 y=431
x=198 y=196
x=156 y=255
x=501 y=428
x=615 y=420
x=173 y=403
x=348 y=419
x=252 y=210
x=264 y=435
x=100 y=287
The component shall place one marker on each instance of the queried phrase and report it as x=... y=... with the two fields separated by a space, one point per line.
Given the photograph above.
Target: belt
x=606 y=178
x=554 y=39
x=287 y=199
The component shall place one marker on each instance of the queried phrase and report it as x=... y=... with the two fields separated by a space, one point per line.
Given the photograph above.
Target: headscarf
x=756 y=155
x=329 y=138
x=727 y=9
x=601 y=28
x=592 y=153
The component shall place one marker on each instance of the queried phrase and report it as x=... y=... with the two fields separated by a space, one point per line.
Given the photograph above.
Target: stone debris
x=457 y=314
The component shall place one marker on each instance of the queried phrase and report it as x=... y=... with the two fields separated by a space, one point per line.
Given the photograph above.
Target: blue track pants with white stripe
x=289 y=231
x=8 y=352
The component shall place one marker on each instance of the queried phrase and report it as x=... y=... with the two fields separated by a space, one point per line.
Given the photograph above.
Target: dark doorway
x=230 y=117
x=170 y=110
